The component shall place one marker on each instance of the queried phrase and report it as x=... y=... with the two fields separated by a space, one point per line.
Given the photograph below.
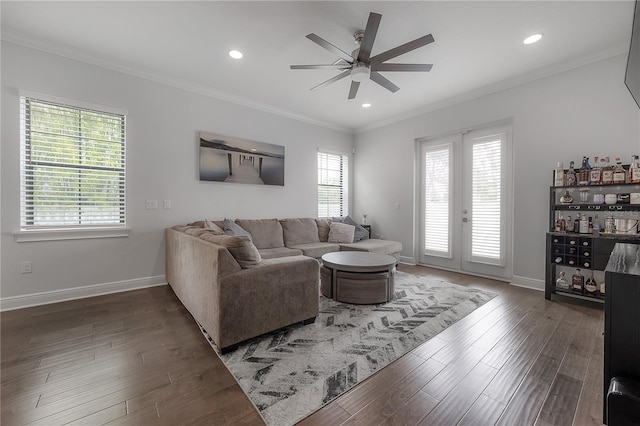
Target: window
x=72 y=166
x=486 y=199
x=333 y=185
x=437 y=188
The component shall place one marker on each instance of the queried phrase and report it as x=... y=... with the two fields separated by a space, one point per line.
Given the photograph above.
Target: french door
x=466 y=202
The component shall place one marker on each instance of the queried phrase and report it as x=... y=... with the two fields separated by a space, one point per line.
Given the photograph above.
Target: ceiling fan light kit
x=360 y=65
x=360 y=73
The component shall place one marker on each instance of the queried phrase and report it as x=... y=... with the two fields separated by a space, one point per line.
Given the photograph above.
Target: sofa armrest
x=277 y=293
x=193 y=267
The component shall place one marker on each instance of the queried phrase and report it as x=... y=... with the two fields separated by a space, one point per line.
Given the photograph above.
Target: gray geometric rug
x=290 y=373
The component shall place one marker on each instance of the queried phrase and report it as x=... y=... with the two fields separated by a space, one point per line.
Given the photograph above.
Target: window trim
x=45 y=233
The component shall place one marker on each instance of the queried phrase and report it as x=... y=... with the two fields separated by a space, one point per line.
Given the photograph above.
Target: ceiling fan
x=360 y=65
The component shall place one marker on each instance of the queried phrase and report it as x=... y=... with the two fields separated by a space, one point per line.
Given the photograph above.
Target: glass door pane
x=437 y=206
x=486 y=201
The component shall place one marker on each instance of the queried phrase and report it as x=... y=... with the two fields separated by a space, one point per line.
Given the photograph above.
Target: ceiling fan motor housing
x=360 y=72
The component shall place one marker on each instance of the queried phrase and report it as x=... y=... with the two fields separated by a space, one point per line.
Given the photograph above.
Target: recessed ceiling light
x=533 y=38
x=235 y=54
x=366 y=105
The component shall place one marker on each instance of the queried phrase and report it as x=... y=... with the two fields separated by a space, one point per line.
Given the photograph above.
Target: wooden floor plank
x=454 y=373
x=391 y=398
x=413 y=411
x=454 y=406
x=484 y=411
x=560 y=406
x=511 y=374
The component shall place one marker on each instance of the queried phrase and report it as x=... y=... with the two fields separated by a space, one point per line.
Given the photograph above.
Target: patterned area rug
x=290 y=373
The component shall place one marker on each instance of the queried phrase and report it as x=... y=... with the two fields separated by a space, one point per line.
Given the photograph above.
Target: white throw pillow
x=341 y=233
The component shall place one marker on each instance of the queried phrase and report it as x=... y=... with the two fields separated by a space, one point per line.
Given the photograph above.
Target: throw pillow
x=360 y=233
x=240 y=247
x=341 y=233
x=232 y=228
x=213 y=227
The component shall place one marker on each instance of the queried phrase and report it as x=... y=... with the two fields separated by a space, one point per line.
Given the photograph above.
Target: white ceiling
x=478 y=47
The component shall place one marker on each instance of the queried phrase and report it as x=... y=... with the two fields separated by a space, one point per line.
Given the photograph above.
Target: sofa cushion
x=316 y=250
x=276 y=252
x=323 y=229
x=240 y=247
x=359 y=233
x=265 y=233
x=341 y=233
x=375 y=246
x=233 y=229
x=299 y=231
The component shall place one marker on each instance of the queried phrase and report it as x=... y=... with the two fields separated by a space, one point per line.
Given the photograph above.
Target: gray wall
x=583 y=111
x=162 y=139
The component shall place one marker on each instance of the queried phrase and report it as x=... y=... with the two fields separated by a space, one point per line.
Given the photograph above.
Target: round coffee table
x=358 y=277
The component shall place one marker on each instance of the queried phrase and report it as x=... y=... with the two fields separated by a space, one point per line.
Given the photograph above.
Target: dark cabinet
x=622 y=325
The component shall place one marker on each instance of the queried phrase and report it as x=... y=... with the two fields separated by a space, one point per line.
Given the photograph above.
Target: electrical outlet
x=166 y=204
x=25 y=267
x=151 y=204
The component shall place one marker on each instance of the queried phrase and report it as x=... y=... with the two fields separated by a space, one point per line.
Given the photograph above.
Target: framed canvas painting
x=235 y=160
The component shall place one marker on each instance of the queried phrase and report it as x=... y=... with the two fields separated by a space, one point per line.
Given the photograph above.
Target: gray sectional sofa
x=243 y=279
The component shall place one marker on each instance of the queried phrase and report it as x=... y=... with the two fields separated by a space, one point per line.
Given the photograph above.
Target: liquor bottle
x=601 y=289
x=596 y=225
x=576 y=225
x=583 y=172
x=591 y=286
x=607 y=173
x=634 y=170
x=619 y=173
x=558 y=176
x=590 y=226
x=595 y=176
x=584 y=224
x=577 y=282
x=561 y=224
x=562 y=282
x=570 y=177
x=569 y=224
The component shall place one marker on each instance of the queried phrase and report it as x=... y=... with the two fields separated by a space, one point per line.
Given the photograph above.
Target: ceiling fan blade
x=342 y=66
x=330 y=47
x=369 y=37
x=404 y=48
x=353 y=89
x=401 y=67
x=331 y=80
x=378 y=78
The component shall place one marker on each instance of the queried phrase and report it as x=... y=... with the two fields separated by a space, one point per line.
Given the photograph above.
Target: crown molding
x=499 y=86
x=74 y=54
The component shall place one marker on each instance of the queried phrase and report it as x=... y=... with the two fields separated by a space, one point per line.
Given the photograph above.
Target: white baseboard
x=47 y=297
x=528 y=283
x=407 y=260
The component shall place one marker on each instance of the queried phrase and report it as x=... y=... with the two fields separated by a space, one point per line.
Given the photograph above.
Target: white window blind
x=486 y=234
x=436 y=199
x=72 y=166
x=333 y=185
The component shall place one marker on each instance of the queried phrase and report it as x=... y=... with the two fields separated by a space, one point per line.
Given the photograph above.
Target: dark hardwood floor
x=138 y=358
